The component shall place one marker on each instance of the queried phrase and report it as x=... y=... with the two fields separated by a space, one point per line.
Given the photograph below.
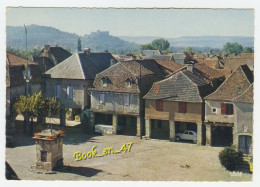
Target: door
x=245 y=144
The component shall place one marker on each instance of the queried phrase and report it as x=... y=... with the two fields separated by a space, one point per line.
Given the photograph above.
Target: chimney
x=190 y=67
x=86 y=51
x=46 y=48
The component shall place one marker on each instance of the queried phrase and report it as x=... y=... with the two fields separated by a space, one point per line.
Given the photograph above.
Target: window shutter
x=184 y=107
x=223 y=109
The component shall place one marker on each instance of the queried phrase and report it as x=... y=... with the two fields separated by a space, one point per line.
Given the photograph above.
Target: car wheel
x=178 y=138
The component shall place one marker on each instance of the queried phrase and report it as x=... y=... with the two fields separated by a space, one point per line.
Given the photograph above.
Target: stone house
x=69 y=80
x=243 y=124
x=219 y=107
x=116 y=98
x=15 y=83
x=176 y=104
x=50 y=57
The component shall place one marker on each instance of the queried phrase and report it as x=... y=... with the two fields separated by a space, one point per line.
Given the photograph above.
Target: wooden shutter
x=223 y=109
x=184 y=107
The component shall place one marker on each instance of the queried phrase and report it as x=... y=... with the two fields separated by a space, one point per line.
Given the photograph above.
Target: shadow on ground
x=83 y=171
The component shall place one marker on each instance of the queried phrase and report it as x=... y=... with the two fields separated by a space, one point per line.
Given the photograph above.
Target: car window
x=185 y=132
x=190 y=133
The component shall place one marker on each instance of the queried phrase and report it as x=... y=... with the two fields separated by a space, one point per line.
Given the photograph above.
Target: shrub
x=229 y=158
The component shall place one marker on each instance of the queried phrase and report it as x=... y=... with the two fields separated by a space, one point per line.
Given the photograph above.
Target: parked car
x=187 y=135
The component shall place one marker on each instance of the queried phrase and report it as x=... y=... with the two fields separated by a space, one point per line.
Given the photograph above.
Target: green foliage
x=189 y=50
x=229 y=158
x=25 y=54
x=36 y=105
x=79 y=45
x=161 y=44
x=248 y=50
x=147 y=47
x=233 y=48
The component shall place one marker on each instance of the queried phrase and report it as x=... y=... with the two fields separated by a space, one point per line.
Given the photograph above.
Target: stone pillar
x=208 y=134
x=115 y=123
x=235 y=136
x=148 y=128
x=199 y=133
x=172 y=130
x=138 y=127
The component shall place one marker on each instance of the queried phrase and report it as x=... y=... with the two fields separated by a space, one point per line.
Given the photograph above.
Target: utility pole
x=27 y=76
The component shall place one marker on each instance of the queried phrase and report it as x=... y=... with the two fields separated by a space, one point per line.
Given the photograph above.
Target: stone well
x=48 y=150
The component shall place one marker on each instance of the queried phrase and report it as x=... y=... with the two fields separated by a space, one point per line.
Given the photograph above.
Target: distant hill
x=195 y=41
x=42 y=35
x=102 y=40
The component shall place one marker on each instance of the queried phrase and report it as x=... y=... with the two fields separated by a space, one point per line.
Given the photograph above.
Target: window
x=182 y=107
x=104 y=81
x=214 y=110
x=57 y=90
x=70 y=92
x=128 y=82
x=102 y=98
x=126 y=99
x=159 y=105
x=227 y=109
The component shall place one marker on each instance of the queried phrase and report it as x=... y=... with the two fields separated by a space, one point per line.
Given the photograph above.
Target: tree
x=232 y=48
x=160 y=44
x=35 y=105
x=248 y=50
x=189 y=50
x=147 y=47
x=79 y=45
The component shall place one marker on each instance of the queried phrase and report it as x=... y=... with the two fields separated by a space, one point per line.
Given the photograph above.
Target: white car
x=187 y=135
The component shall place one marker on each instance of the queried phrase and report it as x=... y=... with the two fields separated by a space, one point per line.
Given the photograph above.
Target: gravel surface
x=148 y=160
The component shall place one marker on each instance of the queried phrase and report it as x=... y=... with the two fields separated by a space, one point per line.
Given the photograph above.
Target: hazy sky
x=139 y=22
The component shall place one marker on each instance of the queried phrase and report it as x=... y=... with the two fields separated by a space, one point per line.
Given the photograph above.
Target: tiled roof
x=58 y=53
x=162 y=57
x=149 y=53
x=211 y=63
x=234 y=85
x=14 y=71
x=233 y=62
x=225 y=72
x=120 y=72
x=170 y=65
x=14 y=60
x=247 y=96
x=81 y=66
x=182 y=86
x=207 y=71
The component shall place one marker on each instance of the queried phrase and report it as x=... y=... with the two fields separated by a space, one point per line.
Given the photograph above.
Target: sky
x=168 y=23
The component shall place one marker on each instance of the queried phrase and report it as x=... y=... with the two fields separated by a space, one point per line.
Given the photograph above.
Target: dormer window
x=104 y=81
x=128 y=82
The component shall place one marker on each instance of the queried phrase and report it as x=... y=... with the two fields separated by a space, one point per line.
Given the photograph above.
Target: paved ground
x=148 y=160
